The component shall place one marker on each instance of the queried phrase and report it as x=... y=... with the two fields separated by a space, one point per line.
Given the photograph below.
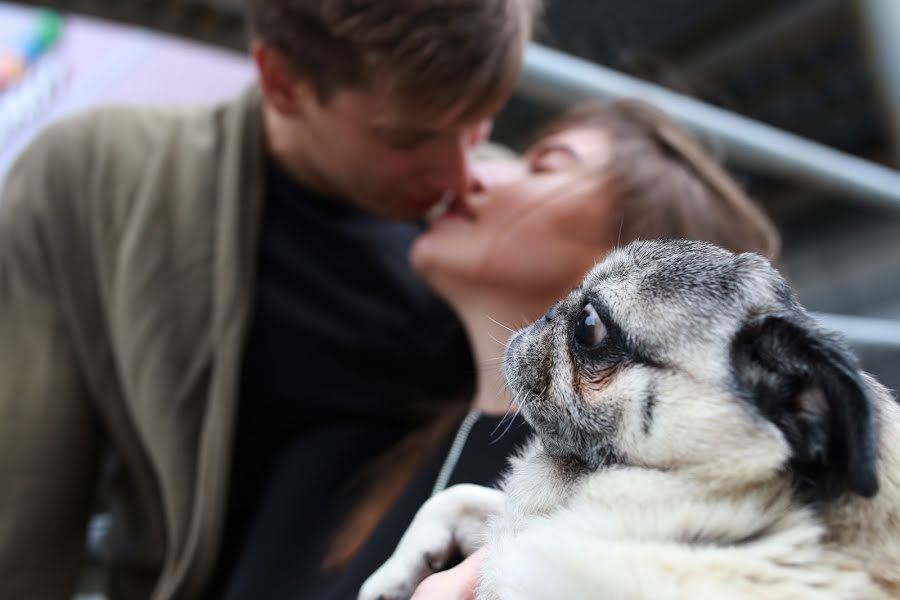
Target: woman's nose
x=489 y=174
x=476 y=179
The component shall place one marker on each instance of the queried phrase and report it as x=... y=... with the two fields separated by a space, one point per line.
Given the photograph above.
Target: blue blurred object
x=31 y=75
x=42 y=34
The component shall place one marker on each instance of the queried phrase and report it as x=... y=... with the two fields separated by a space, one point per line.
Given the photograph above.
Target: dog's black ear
x=809 y=385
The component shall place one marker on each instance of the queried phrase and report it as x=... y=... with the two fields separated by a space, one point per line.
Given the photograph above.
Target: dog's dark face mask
x=681 y=355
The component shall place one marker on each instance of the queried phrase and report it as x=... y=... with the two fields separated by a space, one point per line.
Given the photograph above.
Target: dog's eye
x=590 y=330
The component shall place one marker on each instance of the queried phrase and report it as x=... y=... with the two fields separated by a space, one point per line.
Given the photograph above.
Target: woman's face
x=533 y=226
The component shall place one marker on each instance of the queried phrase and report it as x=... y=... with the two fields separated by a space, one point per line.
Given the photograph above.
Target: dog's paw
x=450 y=522
x=416 y=558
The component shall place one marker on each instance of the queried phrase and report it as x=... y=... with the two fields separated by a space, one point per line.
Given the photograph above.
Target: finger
x=458 y=583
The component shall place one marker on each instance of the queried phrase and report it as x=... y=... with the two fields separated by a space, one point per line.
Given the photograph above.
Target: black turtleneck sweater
x=347 y=351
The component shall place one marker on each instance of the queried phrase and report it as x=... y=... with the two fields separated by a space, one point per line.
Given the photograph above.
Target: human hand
x=458 y=583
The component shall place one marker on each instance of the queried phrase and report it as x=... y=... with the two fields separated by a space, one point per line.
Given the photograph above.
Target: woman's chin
x=430 y=263
x=420 y=255
x=449 y=219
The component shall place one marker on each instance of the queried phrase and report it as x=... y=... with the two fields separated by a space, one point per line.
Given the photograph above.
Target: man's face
x=381 y=157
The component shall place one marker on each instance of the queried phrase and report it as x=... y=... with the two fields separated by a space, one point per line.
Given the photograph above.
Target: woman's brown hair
x=665 y=185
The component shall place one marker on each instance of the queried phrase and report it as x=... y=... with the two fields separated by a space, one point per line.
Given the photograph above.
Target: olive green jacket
x=127 y=250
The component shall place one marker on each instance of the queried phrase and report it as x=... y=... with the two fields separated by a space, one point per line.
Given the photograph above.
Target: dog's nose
x=548 y=316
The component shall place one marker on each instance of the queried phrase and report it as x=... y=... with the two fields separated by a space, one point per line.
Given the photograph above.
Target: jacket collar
x=240 y=197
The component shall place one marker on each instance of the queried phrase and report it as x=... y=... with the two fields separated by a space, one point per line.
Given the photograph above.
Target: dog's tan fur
x=660 y=470
x=866 y=532
x=623 y=532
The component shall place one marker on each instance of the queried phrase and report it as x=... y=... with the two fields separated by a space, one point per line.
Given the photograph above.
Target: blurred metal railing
x=864 y=331
x=881 y=19
x=558 y=79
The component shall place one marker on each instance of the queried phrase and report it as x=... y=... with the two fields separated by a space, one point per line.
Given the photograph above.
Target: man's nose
x=453 y=169
x=450 y=170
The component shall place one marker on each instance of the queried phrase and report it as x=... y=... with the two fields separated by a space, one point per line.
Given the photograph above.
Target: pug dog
x=698 y=435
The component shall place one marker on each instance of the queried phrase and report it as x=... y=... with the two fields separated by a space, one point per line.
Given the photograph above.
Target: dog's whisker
x=501 y=342
x=505 y=415
x=493 y=361
x=512 y=420
x=514 y=400
x=499 y=425
x=501 y=386
x=522 y=404
x=619 y=237
x=500 y=324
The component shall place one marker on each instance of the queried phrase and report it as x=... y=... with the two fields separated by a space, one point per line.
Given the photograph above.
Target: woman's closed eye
x=552 y=158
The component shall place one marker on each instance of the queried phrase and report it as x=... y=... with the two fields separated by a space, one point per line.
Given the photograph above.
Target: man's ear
x=810 y=386
x=280 y=85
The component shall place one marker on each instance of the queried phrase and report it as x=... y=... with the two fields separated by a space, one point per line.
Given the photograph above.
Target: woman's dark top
x=282 y=557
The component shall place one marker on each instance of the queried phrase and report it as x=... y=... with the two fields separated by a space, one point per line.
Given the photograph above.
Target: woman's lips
x=450 y=206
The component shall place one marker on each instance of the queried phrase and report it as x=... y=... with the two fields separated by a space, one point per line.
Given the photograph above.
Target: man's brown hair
x=431 y=55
